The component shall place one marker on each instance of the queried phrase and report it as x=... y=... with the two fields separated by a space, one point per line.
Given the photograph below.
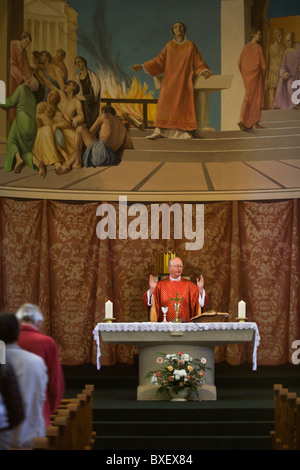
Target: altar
x=203 y=87
x=195 y=339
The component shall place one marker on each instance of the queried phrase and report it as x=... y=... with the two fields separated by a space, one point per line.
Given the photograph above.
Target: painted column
x=233 y=30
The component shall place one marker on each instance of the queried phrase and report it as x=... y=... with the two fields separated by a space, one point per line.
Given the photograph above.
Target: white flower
x=185 y=358
x=203 y=360
x=170 y=357
x=153 y=380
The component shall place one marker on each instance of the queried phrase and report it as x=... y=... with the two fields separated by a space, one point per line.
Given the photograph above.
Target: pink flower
x=203 y=360
x=159 y=360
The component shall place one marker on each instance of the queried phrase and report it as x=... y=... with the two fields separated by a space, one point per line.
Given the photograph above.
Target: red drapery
x=51 y=256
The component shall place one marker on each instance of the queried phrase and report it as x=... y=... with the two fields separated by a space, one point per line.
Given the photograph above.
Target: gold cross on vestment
x=177 y=298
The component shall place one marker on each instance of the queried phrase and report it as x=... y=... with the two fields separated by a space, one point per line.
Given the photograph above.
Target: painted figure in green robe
x=22 y=134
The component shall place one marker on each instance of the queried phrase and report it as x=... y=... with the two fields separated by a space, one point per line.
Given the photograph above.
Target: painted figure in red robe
x=20 y=69
x=179 y=62
x=252 y=66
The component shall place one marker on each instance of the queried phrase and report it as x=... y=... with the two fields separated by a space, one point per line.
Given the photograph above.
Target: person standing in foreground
x=193 y=297
x=31 y=373
x=33 y=340
x=252 y=66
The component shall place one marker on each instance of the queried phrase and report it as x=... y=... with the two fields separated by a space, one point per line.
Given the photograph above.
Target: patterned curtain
x=51 y=256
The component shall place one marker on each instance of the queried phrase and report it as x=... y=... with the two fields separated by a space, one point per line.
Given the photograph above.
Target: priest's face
x=175 y=268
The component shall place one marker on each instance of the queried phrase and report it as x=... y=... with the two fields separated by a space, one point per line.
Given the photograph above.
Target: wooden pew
x=276 y=432
x=286 y=419
x=297 y=424
x=71 y=425
x=291 y=421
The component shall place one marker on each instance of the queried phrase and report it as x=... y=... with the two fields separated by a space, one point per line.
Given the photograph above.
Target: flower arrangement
x=178 y=372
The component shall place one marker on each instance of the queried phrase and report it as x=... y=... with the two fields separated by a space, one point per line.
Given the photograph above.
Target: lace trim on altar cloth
x=168 y=326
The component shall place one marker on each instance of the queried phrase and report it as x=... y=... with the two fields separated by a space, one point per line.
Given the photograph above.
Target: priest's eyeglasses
x=177 y=266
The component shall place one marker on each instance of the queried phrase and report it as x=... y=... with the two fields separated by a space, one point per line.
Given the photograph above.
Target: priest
x=165 y=294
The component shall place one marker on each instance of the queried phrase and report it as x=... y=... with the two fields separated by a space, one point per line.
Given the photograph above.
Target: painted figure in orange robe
x=193 y=297
x=252 y=66
x=179 y=62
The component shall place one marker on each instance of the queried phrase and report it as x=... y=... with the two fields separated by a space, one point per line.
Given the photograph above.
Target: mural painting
x=158 y=78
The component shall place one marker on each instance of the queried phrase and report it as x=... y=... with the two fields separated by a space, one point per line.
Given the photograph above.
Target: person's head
x=50 y=110
x=175 y=266
x=178 y=29
x=30 y=313
x=80 y=63
x=53 y=97
x=60 y=55
x=107 y=109
x=25 y=39
x=256 y=34
x=35 y=57
x=290 y=39
x=45 y=57
x=32 y=83
x=9 y=327
x=278 y=34
x=72 y=87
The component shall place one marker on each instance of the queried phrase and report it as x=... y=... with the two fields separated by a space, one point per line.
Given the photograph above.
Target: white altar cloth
x=177 y=328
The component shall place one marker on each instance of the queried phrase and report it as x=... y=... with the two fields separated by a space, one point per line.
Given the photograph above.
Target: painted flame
x=133 y=112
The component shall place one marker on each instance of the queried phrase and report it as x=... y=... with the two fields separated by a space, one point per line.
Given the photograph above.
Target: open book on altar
x=211 y=316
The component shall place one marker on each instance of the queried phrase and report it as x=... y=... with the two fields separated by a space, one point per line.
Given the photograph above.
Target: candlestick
x=242 y=310
x=108 y=309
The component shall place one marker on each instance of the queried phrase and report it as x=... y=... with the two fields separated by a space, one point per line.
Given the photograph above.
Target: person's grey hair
x=171 y=261
x=29 y=313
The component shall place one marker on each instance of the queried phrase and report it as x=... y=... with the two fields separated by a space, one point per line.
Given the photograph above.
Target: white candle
x=242 y=309
x=108 y=309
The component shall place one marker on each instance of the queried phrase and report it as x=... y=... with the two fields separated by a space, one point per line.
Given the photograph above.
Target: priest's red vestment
x=179 y=63
x=165 y=291
x=252 y=66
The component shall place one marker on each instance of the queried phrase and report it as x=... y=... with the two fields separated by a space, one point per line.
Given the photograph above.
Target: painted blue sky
x=279 y=8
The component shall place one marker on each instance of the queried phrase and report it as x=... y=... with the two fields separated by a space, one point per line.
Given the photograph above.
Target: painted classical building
x=52 y=25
